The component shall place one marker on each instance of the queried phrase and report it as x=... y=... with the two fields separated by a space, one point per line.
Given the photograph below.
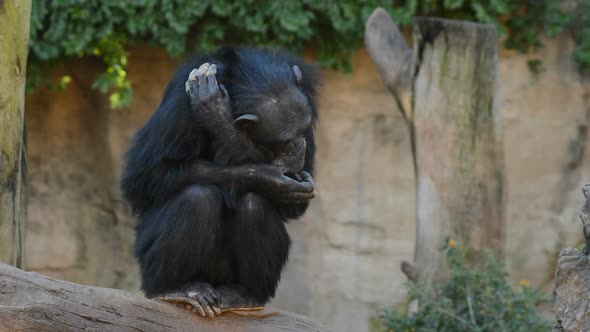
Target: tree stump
x=14 y=46
x=571 y=288
x=446 y=89
x=33 y=302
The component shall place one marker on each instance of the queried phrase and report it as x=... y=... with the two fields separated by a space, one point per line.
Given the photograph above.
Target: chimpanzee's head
x=272 y=102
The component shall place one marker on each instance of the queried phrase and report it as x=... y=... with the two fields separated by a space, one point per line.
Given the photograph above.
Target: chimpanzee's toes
x=234 y=297
x=200 y=297
x=206 y=296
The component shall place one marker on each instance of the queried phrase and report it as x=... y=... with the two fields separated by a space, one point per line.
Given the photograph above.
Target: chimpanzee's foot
x=209 y=301
x=235 y=298
x=200 y=296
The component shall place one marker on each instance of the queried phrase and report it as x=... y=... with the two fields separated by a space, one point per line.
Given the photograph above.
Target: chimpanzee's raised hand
x=209 y=100
x=211 y=106
x=276 y=184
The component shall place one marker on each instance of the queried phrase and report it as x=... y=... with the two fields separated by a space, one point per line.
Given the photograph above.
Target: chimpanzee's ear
x=246 y=120
x=297 y=73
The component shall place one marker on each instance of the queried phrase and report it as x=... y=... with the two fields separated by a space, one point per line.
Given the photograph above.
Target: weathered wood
x=455 y=126
x=14 y=43
x=33 y=302
x=571 y=288
x=393 y=57
x=459 y=150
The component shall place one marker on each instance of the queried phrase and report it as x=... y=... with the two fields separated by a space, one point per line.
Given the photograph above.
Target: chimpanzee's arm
x=165 y=158
x=167 y=153
x=210 y=105
x=149 y=187
x=168 y=179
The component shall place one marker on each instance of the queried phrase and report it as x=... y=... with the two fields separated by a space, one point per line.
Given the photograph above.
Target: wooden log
x=33 y=302
x=14 y=46
x=449 y=86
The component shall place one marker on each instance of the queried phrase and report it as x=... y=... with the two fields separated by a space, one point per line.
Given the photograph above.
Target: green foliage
x=104 y=29
x=574 y=19
x=472 y=300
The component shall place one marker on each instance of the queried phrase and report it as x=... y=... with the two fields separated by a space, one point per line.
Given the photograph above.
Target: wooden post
x=14 y=45
x=446 y=88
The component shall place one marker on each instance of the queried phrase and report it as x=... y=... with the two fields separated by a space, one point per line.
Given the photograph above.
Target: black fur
x=186 y=231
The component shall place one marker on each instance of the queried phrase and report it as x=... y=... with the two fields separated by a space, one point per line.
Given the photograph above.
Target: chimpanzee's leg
x=261 y=245
x=180 y=249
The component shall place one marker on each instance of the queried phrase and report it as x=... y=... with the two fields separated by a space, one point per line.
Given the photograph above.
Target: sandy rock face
x=344 y=263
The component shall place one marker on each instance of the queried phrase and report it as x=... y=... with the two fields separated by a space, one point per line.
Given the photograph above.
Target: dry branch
x=33 y=302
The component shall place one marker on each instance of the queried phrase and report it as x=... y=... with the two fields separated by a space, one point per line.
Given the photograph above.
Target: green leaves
x=453 y=4
x=477 y=297
x=75 y=28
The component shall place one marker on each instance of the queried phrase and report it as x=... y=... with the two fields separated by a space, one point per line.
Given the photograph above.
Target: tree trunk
x=14 y=44
x=446 y=88
x=33 y=302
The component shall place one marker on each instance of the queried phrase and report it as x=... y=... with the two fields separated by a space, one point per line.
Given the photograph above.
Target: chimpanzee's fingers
x=188 y=87
x=201 y=78
x=298 y=197
x=224 y=92
x=193 y=74
x=212 y=80
x=191 y=84
x=302 y=187
x=306 y=176
x=282 y=169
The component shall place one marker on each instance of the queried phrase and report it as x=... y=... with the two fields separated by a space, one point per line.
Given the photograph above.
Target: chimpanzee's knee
x=202 y=196
x=255 y=209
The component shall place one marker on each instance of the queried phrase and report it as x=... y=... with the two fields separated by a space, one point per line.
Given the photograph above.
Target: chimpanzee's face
x=277 y=121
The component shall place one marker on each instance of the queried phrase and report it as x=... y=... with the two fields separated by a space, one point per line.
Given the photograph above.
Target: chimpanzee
x=215 y=173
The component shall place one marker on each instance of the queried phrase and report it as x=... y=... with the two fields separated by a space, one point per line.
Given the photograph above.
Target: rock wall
x=347 y=250
x=546 y=122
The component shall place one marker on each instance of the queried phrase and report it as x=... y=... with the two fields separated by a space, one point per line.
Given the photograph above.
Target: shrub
x=472 y=300
x=105 y=29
